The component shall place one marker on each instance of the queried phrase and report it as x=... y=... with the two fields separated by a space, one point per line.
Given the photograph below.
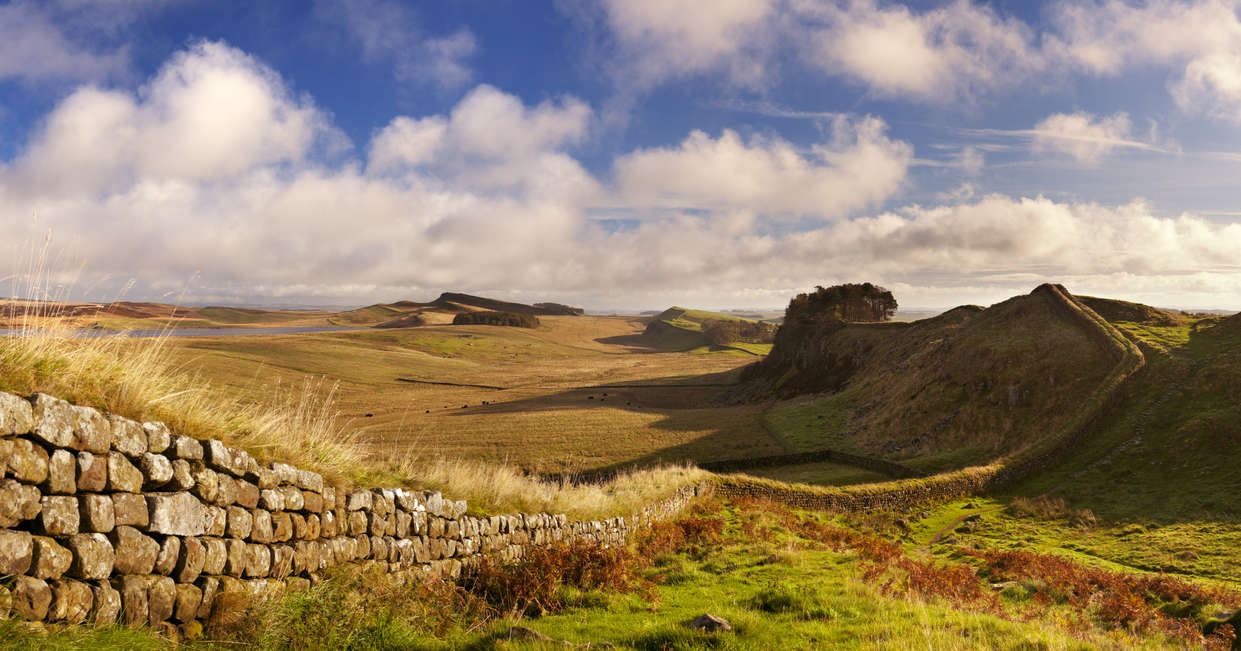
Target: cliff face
x=972 y=383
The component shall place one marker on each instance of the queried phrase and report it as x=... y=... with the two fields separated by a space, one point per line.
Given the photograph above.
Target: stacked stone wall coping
x=105 y=519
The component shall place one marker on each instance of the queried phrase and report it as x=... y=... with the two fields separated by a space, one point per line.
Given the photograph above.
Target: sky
x=621 y=154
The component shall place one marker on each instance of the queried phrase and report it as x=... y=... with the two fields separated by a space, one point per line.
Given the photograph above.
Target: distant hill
x=454 y=301
x=967 y=386
x=679 y=328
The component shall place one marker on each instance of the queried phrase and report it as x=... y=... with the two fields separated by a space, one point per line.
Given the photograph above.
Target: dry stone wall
x=104 y=519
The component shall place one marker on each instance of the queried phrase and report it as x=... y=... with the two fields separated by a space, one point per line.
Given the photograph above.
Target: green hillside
x=681 y=329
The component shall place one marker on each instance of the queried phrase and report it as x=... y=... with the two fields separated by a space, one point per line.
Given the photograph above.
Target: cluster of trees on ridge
x=848 y=302
x=722 y=332
x=497 y=318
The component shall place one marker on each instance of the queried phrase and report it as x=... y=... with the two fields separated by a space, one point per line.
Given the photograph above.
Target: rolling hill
x=681 y=329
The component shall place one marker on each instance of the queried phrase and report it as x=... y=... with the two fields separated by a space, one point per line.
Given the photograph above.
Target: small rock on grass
x=710 y=623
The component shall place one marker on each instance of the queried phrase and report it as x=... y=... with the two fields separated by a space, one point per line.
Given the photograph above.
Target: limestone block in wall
x=327 y=524
x=93 y=556
x=409 y=500
x=237 y=557
x=16 y=415
x=240 y=522
x=312 y=502
x=49 y=560
x=16 y=552
x=61 y=473
x=379 y=548
x=281 y=561
x=176 y=514
x=190 y=561
x=293 y=500
x=58 y=515
x=434 y=502
x=135 y=599
x=452 y=529
x=263 y=530
x=360 y=500
x=18 y=502
x=281 y=527
x=206 y=484
x=299 y=526
x=123 y=476
x=309 y=481
x=188 y=600
x=229 y=460
x=31 y=598
x=376 y=525
x=286 y=475
x=91 y=431
x=169 y=551
x=91 y=472
x=247 y=494
x=28 y=462
x=136 y=552
x=54 y=420
x=226 y=490
x=418 y=523
x=185 y=447
x=435 y=527
x=314 y=527
x=209 y=586
x=96 y=513
x=403 y=519
x=127 y=436
x=271 y=499
x=71 y=601
x=158 y=437
x=215 y=556
x=357 y=523
x=262 y=477
x=329 y=497
x=156 y=470
x=217 y=521
x=105 y=604
x=130 y=509
x=161 y=598
x=362 y=546
x=258 y=561
x=182 y=476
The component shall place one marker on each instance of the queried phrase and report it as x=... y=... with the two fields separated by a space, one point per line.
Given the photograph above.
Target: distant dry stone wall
x=105 y=519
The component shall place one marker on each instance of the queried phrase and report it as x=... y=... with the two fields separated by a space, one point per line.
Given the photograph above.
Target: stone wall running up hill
x=103 y=519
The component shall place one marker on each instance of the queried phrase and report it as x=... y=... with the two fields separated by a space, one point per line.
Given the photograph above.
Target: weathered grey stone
x=107 y=604
x=310 y=481
x=190 y=562
x=281 y=561
x=156 y=470
x=293 y=500
x=189 y=600
x=216 y=556
x=92 y=472
x=285 y=474
x=96 y=513
x=272 y=500
x=226 y=494
x=185 y=447
x=16 y=415
x=247 y=494
x=360 y=500
x=135 y=552
x=91 y=432
x=130 y=509
x=281 y=526
x=329 y=497
x=18 y=502
x=16 y=552
x=158 y=437
x=169 y=552
x=71 y=601
x=240 y=522
x=59 y=515
x=459 y=507
x=176 y=514
x=31 y=598
x=123 y=477
x=217 y=521
x=206 y=484
x=162 y=597
x=54 y=420
x=262 y=530
x=433 y=501
x=236 y=558
x=135 y=599
x=61 y=473
x=93 y=556
x=258 y=561
x=28 y=462
x=408 y=500
x=127 y=436
x=182 y=476
x=357 y=523
x=380 y=505
x=327 y=524
x=223 y=458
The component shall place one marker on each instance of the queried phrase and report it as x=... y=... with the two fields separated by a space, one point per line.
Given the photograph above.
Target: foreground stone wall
x=104 y=519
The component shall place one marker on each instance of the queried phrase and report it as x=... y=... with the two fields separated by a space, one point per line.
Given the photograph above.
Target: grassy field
x=576 y=393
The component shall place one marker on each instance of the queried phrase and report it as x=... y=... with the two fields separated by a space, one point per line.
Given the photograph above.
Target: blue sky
x=624 y=154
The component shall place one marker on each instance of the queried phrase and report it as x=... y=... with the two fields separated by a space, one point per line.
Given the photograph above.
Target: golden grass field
x=577 y=393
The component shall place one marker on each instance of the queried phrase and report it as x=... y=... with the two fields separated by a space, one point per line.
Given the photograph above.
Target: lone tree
x=849 y=302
